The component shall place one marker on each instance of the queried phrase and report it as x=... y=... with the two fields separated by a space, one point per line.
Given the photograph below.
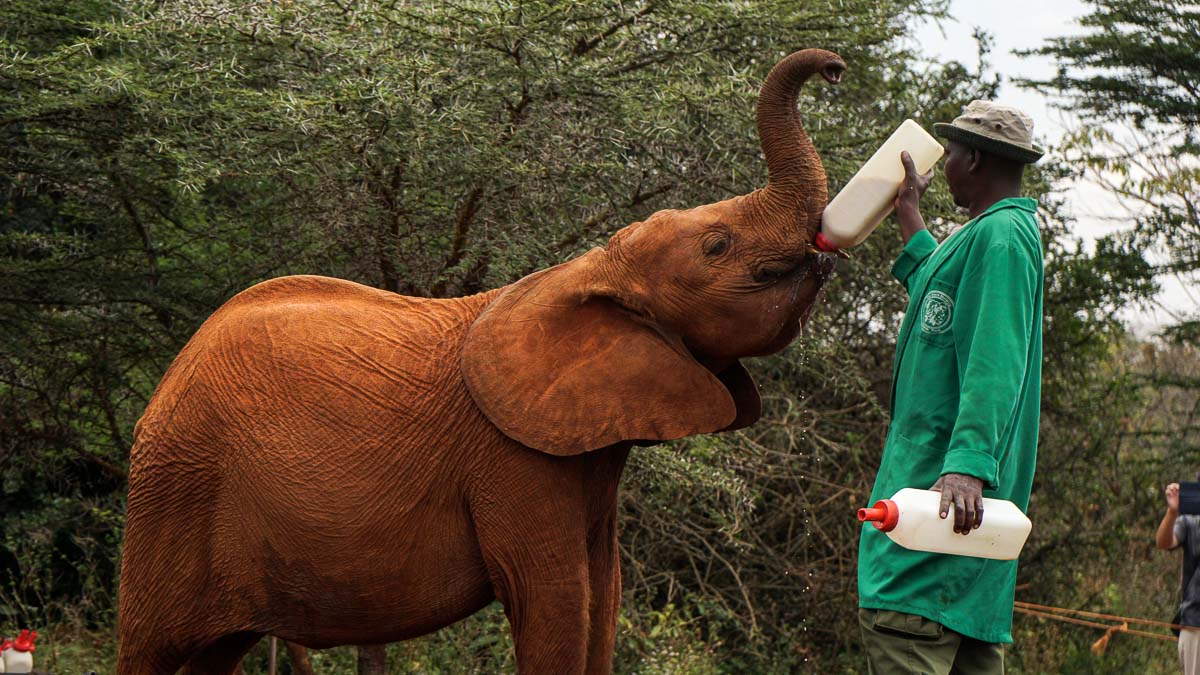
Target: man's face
x=958 y=158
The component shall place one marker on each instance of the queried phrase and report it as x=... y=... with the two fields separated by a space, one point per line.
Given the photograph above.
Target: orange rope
x=1068 y=619
x=1059 y=614
x=1094 y=615
x=1121 y=628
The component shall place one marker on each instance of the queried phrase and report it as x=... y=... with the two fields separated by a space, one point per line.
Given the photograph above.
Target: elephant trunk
x=795 y=174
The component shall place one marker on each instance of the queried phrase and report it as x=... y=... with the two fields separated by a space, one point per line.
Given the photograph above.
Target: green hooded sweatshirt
x=966 y=397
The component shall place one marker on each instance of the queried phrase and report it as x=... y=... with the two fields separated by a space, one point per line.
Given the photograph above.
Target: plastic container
x=5 y=648
x=911 y=518
x=20 y=658
x=867 y=199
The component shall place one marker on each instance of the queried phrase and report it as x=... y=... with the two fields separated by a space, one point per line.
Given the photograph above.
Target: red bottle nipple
x=24 y=642
x=884 y=515
x=823 y=243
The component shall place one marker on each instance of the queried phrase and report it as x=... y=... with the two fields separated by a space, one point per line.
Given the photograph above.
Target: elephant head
x=639 y=340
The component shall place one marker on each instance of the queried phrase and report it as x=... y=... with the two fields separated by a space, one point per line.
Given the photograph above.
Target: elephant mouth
x=803 y=303
x=824 y=267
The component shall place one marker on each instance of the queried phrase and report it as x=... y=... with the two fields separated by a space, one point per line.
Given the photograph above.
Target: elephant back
x=309 y=370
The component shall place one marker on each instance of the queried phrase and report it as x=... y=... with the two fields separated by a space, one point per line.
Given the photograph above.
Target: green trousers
x=906 y=643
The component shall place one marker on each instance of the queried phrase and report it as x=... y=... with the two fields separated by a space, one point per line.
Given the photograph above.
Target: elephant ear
x=556 y=364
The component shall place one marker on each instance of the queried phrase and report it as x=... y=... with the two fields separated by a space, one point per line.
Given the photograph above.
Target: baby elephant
x=334 y=464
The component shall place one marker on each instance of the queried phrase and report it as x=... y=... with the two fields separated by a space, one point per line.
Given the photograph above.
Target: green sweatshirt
x=966 y=397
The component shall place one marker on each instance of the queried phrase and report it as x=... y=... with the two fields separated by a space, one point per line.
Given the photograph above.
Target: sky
x=1025 y=24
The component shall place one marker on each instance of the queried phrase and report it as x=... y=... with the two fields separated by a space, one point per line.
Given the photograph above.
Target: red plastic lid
x=24 y=642
x=823 y=243
x=885 y=515
x=7 y=644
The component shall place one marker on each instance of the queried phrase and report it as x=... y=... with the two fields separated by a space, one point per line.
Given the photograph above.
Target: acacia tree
x=162 y=156
x=1133 y=79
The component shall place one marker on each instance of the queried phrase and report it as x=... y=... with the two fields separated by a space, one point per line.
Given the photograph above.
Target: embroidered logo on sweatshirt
x=937 y=313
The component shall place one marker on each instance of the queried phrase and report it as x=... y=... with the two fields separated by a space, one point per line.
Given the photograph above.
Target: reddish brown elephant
x=334 y=464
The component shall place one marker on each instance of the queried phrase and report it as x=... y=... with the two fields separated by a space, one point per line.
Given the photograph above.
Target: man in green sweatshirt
x=965 y=401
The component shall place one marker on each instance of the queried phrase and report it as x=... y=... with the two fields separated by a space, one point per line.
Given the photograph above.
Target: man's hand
x=1173 y=498
x=908 y=196
x=914 y=184
x=966 y=493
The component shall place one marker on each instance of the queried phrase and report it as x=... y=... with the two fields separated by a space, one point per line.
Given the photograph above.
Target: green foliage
x=1137 y=59
x=158 y=157
x=1133 y=76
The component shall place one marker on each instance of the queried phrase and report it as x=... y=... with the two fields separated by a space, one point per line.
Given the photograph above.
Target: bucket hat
x=999 y=129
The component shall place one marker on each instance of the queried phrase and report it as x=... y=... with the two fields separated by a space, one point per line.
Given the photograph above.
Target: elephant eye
x=716 y=246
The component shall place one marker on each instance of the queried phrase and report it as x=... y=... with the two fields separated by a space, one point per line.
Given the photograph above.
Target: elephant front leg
x=544 y=591
x=536 y=555
x=549 y=622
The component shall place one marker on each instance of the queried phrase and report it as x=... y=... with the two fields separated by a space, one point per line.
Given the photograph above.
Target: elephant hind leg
x=223 y=657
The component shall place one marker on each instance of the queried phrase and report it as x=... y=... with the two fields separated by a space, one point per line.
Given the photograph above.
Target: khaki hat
x=991 y=127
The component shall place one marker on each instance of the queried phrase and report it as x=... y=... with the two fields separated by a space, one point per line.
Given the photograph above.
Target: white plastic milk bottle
x=911 y=518
x=20 y=658
x=867 y=199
